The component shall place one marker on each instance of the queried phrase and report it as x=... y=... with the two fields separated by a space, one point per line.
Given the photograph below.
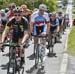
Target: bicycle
x=39 y=51
x=51 y=42
x=14 y=60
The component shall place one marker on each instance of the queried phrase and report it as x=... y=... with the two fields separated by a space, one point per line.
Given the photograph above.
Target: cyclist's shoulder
x=11 y=19
x=35 y=13
x=46 y=15
x=24 y=19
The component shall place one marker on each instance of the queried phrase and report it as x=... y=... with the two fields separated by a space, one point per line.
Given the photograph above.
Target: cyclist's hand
x=1 y=47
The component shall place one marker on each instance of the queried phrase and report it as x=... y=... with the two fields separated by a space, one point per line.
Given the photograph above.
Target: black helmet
x=50 y=14
x=6 y=10
x=18 y=10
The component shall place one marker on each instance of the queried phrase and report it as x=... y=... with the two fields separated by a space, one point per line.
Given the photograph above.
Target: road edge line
x=64 y=63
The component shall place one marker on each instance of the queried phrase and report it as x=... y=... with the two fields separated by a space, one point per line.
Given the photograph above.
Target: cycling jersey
x=38 y=19
x=66 y=18
x=18 y=28
x=60 y=19
x=3 y=20
x=40 y=22
x=27 y=17
x=10 y=14
x=54 y=24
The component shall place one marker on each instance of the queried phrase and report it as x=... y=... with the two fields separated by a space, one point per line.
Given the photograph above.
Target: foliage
x=71 y=41
x=51 y=4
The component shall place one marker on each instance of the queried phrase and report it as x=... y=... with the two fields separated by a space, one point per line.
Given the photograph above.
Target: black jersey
x=18 y=28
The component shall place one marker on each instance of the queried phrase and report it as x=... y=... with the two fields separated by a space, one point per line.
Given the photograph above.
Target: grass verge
x=71 y=42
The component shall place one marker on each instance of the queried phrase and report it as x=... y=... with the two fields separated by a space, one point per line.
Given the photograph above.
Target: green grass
x=71 y=42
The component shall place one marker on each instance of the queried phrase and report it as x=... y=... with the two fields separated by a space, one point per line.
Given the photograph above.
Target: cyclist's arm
x=48 y=28
x=4 y=34
x=57 y=23
x=32 y=19
x=62 y=21
x=31 y=27
x=26 y=32
x=48 y=23
x=25 y=37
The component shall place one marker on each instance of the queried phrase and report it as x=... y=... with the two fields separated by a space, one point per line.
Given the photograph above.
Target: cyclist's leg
x=44 y=28
x=49 y=36
x=35 y=32
x=22 y=52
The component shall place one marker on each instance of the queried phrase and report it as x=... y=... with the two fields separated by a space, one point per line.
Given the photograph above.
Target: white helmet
x=42 y=7
x=2 y=11
x=36 y=9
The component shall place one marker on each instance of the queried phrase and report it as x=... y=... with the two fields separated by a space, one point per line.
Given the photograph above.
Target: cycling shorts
x=52 y=29
x=39 y=29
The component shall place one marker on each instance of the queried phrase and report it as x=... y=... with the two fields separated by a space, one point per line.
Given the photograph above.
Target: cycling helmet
x=60 y=12
x=50 y=14
x=6 y=10
x=2 y=11
x=18 y=10
x=42 y=7
x=36 y=9
x=54 y=14
x=12 y=5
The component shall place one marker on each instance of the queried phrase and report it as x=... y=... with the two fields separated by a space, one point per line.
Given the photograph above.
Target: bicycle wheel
x=42 y=55
x=14 y=66
x=9 y=66
x=10 y=58
x=36 y=57
x=51 y=44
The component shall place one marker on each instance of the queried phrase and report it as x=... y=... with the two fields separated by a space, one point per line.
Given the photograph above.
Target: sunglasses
x=17 y=15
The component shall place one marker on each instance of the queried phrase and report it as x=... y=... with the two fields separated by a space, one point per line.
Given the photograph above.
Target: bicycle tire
x=36 y=57
x=9 y=64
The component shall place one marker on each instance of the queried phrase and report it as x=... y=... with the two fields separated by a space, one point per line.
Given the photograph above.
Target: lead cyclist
x=39 y=23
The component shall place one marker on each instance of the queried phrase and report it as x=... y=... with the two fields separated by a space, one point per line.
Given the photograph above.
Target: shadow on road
x=7 y=55
x=33 y=70
x=51 y=55
x=59 y=42
x=4 y=66
x=31 y=57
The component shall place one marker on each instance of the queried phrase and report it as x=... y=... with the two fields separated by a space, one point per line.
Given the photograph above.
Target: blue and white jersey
x=38 y=19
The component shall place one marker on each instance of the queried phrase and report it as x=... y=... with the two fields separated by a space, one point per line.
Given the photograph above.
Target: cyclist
x=39 y=23
x=66 y=20
x=20 y=30
x=61 y=20
x=10 y=13
x=54 y=27
x=3 y=19
x=26 y=12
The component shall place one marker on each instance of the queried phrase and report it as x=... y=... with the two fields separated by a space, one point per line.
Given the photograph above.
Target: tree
x=51 y=4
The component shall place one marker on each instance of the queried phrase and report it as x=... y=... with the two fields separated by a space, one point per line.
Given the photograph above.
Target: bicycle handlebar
x=11 y=45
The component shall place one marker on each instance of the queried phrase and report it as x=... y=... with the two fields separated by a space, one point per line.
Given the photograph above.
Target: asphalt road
x=52 y=64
